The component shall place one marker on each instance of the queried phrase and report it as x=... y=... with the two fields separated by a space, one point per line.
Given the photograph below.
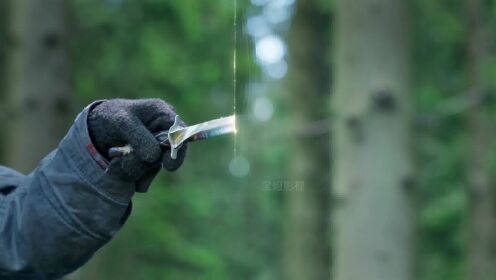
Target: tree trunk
x=482 y=195
x=307 y=193
x=39 y=90
x=3 y=58
x=373 y=176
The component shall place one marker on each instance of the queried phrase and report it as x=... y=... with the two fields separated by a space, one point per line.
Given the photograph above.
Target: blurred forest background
x=366 y=144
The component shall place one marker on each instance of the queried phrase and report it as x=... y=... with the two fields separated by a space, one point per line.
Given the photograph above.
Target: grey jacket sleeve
x=54 y=219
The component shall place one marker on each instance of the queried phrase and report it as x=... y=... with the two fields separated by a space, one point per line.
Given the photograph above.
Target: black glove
x=117 y=122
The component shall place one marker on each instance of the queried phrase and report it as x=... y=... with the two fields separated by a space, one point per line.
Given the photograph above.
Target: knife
x=177 y=135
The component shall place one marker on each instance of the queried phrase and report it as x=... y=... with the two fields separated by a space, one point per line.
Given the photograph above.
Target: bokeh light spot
x=263 y=109
x=257 y=26
x=276 y=70
x=239 y=166
x=270 y=49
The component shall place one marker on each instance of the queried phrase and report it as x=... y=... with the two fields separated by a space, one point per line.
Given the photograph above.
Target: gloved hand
x=118 y=122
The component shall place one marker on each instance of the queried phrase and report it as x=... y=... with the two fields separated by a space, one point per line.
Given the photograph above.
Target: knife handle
x=115 y=152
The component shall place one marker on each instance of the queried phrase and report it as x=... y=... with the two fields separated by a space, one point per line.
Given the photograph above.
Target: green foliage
x=201 y=223
x=440 y=83
x=213 y=226
x=198 y=223
x=179 y=50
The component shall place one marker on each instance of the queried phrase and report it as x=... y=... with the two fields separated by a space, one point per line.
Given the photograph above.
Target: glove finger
x=160 y=124
x=133 y=169
x=129 y=168
x=144 y=182
x=144 y=144
x=170 y=164
x=148 y=110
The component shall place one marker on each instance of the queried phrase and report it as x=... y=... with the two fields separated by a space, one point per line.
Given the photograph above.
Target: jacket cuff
x=91 y=165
